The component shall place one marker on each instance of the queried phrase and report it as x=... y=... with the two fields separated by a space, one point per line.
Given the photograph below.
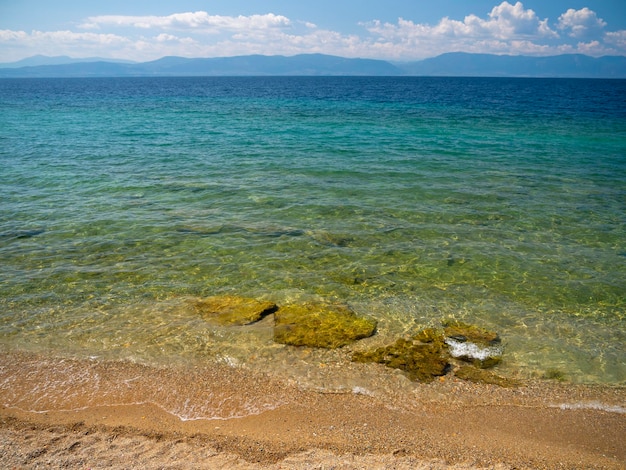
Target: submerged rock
x=473 y=344
x=331 y=239
x=233 y=310
x=320 y=326
x=472 y=333
x=433 y=352
x=19 y=234
x=554 y=374
x=423 y=357
x=473 y=374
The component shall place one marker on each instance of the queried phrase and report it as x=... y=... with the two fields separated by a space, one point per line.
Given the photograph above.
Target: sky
x=396 y=30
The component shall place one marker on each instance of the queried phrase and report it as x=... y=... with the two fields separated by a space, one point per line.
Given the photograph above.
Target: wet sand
x=277 y=423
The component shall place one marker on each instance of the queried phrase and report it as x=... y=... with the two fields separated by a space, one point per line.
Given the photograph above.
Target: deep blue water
x=497 y=201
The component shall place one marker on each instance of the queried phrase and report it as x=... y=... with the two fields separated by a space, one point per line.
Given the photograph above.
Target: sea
x=499 y=202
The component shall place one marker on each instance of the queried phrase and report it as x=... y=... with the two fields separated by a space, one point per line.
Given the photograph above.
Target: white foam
x=362 y=391
x=183 y=415
x=593 y=405
x=229 y=361
x=472 y=350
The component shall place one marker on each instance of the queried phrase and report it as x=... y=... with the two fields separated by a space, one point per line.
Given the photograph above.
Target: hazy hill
x=37 y=60
x=487 y=65
x=304 y=64
x=451 y=64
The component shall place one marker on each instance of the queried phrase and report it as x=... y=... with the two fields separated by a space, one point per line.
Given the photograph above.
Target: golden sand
x=125 y=415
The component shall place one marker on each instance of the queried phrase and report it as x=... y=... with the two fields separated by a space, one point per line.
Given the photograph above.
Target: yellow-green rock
x=422 y=358
x=470 y=333
x=476 y=375
x=233 y=310
x=554 y=374
x=320 y=325
x=429 y=335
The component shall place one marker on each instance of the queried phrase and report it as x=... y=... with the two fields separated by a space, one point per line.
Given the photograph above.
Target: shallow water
x=498 y=201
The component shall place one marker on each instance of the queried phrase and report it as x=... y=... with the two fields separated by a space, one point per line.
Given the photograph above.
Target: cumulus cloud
x=198 y=20
x=508 y=28
x=214 y=35
x=616 y=39
x=61 y=37
x=514 y=20
x=175 y=40
x=581 y=23
x=76 y=44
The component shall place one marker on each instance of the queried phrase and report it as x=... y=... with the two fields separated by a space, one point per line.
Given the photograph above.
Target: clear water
x=497 y=201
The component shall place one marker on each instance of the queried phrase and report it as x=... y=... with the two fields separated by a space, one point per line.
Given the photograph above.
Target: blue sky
x=387 y=29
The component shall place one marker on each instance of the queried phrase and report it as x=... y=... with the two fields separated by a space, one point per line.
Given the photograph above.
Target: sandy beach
x=446 y=424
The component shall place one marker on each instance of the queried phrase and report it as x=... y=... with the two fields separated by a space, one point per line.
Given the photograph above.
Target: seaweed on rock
x=471 y=333
x=433 y=352
x=474 y=374
x=233 y=310
x=422 y=357
x=320 y=325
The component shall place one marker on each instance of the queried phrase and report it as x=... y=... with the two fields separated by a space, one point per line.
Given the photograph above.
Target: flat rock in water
x=233 y=310
x=320 y=325
x=423 y=357
x=471 y=333
x=477 y=375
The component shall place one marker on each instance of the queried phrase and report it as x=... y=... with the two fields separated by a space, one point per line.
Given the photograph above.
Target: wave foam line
x=182 y=417
x=595 y=405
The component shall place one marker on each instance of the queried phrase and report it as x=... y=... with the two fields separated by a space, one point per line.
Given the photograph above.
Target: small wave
x=594 y=405
x=182 y=415
x=218 y=391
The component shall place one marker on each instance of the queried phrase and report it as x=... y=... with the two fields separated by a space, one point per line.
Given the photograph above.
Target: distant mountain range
x=451 y=64
x=37 y=60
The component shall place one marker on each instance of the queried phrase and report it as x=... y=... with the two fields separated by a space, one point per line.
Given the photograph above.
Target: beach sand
x=117 y=420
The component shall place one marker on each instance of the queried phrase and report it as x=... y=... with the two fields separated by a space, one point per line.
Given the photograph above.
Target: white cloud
x=581 y=23
x=514 y=20
x=61 y=37
x=590 y=48
x=7 y=36
x=505 y=21
x=508 y=28
x=617 y=39
x=62 y=43
x=199 y=20
x=170 y=38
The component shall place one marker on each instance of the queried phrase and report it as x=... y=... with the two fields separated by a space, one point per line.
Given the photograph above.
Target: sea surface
x=500 y=202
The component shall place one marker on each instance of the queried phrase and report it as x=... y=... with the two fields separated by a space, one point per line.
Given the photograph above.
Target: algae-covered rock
x=471 y=333
x=477 y=375
x=423 y=357
x=473 y=344
x=432 y=352
x=429 y=335
x=233 y=310
x=320 y=326
x=554 y=374
x=331 y=239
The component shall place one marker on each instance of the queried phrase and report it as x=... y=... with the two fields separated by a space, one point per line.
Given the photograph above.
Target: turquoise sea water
x=497 y=201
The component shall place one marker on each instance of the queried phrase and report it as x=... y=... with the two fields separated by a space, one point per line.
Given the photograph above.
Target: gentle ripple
x=500 y=201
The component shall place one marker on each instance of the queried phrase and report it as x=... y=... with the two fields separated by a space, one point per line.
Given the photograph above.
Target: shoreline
x=446 y=424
